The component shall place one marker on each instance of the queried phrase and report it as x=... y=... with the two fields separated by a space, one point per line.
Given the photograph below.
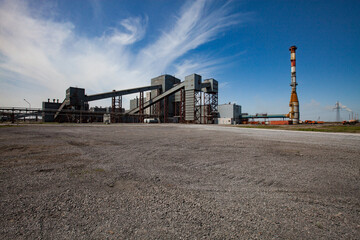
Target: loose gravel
x=173 y=181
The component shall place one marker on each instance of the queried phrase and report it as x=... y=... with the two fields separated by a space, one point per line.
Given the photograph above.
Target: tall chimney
x=294 y=114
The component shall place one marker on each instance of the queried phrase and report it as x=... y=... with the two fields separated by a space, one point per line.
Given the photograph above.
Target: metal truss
x=116 y=108
x=197 y=106
x=210 y=107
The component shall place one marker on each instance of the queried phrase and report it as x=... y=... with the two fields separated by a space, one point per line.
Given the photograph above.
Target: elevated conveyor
x=99 y=96
x=60 y=108
x=79 y=101
x=158 y=98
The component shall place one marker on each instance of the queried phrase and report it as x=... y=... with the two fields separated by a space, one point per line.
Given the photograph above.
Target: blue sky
x=47 y=46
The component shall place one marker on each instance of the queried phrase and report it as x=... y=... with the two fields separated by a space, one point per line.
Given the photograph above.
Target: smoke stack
x=294 y=114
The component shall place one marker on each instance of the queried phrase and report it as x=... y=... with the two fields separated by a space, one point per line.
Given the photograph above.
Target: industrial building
x=229 y=113
x=167 y=99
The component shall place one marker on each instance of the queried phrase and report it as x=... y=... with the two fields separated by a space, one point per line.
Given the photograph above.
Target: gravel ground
x=177 y=181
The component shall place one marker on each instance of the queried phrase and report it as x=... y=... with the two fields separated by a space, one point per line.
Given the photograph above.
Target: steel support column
x=113 y=103
x=141 y=107
x=197 y=106
x=182 y=106
x=210 y=107
x=214 y=102
x=207 y=108
x=166 y=109
x=119 y=108
x=116 y=108
x=119 y=102
x=12 y=116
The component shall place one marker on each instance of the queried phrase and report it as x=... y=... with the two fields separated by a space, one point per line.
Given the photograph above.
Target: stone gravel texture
x=173 y=181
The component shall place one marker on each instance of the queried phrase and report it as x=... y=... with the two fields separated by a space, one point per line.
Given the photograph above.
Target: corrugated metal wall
x=189 y=105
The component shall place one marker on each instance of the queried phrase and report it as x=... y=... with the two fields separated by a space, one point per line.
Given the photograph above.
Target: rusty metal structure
x=294 y=113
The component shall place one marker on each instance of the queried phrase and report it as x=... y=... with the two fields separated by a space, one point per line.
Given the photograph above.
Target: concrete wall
x=226 y=121
x=229 y=111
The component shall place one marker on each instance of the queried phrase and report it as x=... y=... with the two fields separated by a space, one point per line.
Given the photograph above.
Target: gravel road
x=164 y=181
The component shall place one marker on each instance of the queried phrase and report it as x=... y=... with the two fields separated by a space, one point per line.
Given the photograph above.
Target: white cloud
x=41 y=57
x=131 y=30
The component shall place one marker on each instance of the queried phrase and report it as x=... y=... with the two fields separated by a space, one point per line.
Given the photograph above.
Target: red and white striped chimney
x=294 y=113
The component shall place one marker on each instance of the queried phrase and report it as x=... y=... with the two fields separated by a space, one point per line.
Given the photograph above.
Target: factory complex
x=166 y=100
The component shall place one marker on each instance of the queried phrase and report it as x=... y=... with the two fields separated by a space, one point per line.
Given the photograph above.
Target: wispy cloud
x=223 y=84
x=42 y=56
x=97 y=9
x=312 y=104
x=128 y=32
